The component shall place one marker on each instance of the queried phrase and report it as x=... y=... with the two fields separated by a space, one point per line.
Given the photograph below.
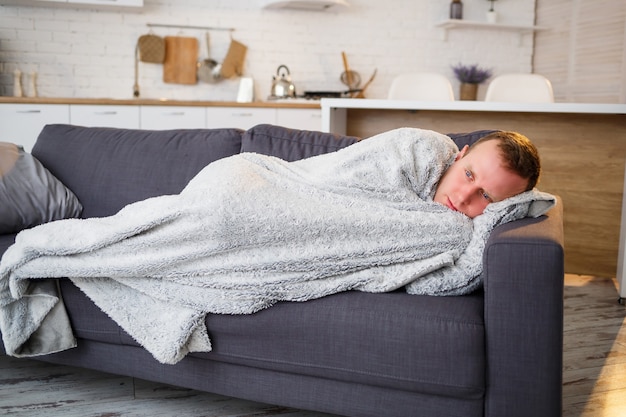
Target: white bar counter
x=334 y=114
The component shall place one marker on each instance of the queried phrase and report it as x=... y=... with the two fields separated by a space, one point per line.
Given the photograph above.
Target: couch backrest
x=109 y=168
x=292 y=144
x=462 y=139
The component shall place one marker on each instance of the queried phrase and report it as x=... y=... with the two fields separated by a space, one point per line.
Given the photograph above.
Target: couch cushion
x=416 y=343
x=87 y=320
x=423 y=344
x=291 y=144
x=109 y=168
x=29 y=193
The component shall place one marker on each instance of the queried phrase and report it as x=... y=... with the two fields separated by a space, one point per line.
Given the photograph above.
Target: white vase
x=492 y=16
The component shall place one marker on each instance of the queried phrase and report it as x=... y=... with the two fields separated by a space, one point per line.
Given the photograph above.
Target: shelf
x=450 y=24
x=126 y=5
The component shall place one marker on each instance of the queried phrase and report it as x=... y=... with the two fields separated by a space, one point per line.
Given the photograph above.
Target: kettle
x=282 y=87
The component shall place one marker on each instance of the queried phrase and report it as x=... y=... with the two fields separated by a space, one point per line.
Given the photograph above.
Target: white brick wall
x=90 y=53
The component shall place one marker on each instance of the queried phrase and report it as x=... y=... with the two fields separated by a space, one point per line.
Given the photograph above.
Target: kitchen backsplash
x=89 y=53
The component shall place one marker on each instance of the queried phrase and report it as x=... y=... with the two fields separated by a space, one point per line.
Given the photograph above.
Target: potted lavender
x=470 y=76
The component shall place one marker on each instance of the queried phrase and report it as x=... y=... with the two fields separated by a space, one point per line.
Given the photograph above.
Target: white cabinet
x=305 y=119
x=247 y=117
x=22 y=123
x=239 y=117
x=126 y=117
x=172 y=117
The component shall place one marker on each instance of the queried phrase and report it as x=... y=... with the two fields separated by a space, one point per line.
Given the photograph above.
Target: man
x=498 y=166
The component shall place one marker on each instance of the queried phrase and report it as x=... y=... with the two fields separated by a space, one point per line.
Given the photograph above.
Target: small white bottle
x=17 y=83
x=32 y=87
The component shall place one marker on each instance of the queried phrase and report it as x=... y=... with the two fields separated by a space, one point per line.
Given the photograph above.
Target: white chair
x=520 y=88
x=426 y=86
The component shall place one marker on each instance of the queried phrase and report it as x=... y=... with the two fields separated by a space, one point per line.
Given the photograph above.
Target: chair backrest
x=425 y=86
x=520 y=88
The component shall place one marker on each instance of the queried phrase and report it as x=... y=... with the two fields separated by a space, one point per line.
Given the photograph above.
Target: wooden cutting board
x=181 y=58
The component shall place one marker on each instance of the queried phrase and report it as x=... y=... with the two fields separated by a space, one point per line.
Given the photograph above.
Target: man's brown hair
x=518 y=153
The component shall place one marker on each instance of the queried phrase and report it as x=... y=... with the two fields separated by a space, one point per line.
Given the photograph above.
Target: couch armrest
x=523 y=282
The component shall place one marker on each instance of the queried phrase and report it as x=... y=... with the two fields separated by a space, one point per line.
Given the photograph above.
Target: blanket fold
x=251 y=230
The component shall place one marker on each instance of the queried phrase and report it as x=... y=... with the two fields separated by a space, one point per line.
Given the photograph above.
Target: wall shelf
x=125 y=5
x=452 y=24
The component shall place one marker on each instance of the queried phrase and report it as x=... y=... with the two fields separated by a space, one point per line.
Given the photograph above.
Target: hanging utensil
x=207 y=66
x=150 y=48
x=233 y=62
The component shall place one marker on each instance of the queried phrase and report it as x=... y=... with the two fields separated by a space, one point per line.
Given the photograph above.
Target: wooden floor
x=594 y=362
x=594 y=375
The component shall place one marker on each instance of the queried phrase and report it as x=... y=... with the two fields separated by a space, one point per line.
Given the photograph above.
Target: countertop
x=467 y=105
x=286 y=103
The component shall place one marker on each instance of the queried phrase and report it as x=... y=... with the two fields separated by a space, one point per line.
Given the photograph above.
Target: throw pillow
x=29 y=193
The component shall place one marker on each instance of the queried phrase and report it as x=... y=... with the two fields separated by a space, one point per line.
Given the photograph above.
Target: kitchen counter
x=583 y=152
x=286 y=103
x=334 y=111
x=23 y=118
x=470 y=105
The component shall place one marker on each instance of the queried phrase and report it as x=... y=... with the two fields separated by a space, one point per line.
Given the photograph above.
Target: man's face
x=477 y=179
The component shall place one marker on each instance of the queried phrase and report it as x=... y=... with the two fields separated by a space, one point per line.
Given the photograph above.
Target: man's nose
x=466 y=194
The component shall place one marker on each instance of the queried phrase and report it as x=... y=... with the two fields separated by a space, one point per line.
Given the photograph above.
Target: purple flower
x=471 y=74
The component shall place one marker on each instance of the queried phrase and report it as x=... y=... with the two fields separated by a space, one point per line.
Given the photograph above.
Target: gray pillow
x=29 y=193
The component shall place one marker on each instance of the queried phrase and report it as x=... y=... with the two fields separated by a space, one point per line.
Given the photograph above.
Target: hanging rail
x=167 y=25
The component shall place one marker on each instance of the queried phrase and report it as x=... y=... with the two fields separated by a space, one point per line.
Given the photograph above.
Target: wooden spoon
x=361 y=94
x=346 y=68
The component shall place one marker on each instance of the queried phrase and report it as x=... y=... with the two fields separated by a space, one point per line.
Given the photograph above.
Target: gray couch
x=496 y=352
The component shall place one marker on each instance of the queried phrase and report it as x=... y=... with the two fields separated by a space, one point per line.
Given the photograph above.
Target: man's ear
x=461 y=153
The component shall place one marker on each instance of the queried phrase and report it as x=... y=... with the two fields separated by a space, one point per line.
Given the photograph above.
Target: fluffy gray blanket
x=249 y=231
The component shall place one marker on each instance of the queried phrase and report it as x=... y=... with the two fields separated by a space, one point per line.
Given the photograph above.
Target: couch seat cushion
x=432 y=345
x=6 y=241
x=426 y=344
